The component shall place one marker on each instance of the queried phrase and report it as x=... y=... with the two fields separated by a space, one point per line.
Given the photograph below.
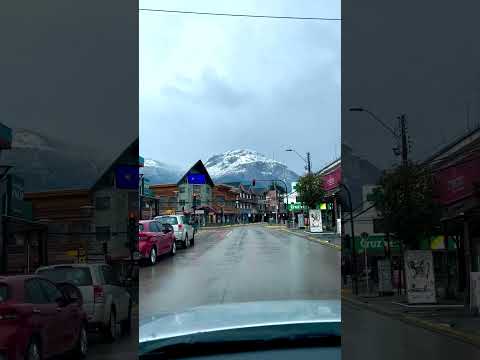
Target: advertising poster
x=420 y=278
x=315 y=220
x=384 y=276
x=301 y=222
x=475 y=292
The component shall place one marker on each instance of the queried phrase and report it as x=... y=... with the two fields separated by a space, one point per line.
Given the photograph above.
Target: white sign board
x=199 y=212
x=301 y=221
x=420 y=279
x=315 y=220
x=339 y=226
x=384 y=276
x=475 y=291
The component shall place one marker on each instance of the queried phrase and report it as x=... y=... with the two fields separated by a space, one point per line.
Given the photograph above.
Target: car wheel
x=186 y=242
x=153 y=256
x=33 y=351
x=127 y=323
x=111 y=328
x=173 y=250
x=81 y=347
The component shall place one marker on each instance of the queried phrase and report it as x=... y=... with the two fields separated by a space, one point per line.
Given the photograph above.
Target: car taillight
x=180 y=226
x=8 y=314
x=142 y=236
x=98 y=295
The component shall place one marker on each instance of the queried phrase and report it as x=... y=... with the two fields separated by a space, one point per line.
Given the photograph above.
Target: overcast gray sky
x=210 y=84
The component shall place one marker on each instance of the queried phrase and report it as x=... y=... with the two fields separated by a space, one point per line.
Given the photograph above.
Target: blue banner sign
x=196 y=179
x=127 y=177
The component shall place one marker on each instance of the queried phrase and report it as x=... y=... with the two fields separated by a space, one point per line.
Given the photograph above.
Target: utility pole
x=403 y=134
x=309 y=165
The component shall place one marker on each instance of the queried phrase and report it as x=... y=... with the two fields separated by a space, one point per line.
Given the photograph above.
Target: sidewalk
x=329 y=239
x=225 y=226
x=446 y=318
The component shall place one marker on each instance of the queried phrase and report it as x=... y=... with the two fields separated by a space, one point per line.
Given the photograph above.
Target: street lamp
x=396 y=150
x=307 y=160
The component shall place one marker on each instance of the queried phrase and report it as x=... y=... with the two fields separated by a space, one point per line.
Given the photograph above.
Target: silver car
x=107 y=304
x=184 y=232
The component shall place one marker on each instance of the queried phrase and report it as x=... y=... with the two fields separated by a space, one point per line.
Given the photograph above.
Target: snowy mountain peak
x=236 y=161
x=29 y=139
x=245 y=165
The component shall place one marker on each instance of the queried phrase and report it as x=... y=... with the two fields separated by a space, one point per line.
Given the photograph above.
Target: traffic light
x=253 y=182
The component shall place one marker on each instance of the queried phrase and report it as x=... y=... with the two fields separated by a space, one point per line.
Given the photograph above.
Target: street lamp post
x=353 y=237
x=307 y=160
x=402 y=137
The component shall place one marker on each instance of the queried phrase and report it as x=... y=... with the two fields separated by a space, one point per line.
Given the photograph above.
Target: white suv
x=184 y=232
x=105 y=301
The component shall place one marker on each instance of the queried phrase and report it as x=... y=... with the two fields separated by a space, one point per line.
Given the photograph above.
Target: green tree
x=406 y=201
x=310 y=189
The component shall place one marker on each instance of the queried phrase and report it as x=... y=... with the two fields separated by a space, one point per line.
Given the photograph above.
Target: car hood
x=241 y=321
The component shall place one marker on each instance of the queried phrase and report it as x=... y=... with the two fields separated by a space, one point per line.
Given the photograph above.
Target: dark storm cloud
x=69 y=70
x=418 y=58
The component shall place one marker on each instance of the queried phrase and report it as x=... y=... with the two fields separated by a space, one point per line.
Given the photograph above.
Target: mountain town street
x=236 y=264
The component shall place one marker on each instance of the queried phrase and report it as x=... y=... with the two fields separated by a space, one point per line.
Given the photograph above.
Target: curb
x=412 y=320
x=221 y=227
x=311 y=238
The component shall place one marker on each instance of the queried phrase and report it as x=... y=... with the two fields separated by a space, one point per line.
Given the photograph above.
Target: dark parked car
x=40 y=319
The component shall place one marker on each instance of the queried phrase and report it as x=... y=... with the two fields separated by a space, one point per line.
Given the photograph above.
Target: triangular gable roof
x=198 y=166
x=133 y=144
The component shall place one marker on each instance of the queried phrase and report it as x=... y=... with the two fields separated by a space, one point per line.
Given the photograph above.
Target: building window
x=102 y=203
x=181 y=202
x=379 y=226
x=102 y=233
x=181 y=189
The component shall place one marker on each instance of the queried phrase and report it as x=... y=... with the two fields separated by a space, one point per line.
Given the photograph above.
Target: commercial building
x=76 y=225
x=456 y=169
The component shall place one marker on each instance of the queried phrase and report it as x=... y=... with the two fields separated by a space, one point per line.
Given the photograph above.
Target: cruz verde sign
x=375 y=244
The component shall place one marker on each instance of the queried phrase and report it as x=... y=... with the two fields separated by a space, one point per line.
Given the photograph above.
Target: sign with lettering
x=15 y=202
x=457 y=182
x=420 y=277
x=475 y=291
x=332 y=179
x=315 y=220
x=384 y=276
x=5 y=137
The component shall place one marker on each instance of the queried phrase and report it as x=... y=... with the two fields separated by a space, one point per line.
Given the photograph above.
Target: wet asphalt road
x=368 y=335
x=239 y=264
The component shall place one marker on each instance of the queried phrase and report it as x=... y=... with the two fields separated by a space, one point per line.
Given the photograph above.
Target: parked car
x=106 y=302
x=155 y=239
x=184 y=232
x=39 y=319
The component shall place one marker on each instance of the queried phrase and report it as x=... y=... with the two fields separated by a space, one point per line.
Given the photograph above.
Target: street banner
x=420 y=278
x=384 y=276
x=475 y=292
x=301 y=222
x=315 y=220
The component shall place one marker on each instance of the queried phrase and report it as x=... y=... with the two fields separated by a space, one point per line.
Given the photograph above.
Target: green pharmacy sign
x=296 y=207
x=375 y=244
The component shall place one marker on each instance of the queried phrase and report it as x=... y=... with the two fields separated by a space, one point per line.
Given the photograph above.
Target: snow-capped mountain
x=232 y=166
x=46 y=163
x=160 y=173
x=245 y=165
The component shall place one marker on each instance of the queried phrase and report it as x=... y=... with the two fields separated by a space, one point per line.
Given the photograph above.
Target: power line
x=242 y=15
